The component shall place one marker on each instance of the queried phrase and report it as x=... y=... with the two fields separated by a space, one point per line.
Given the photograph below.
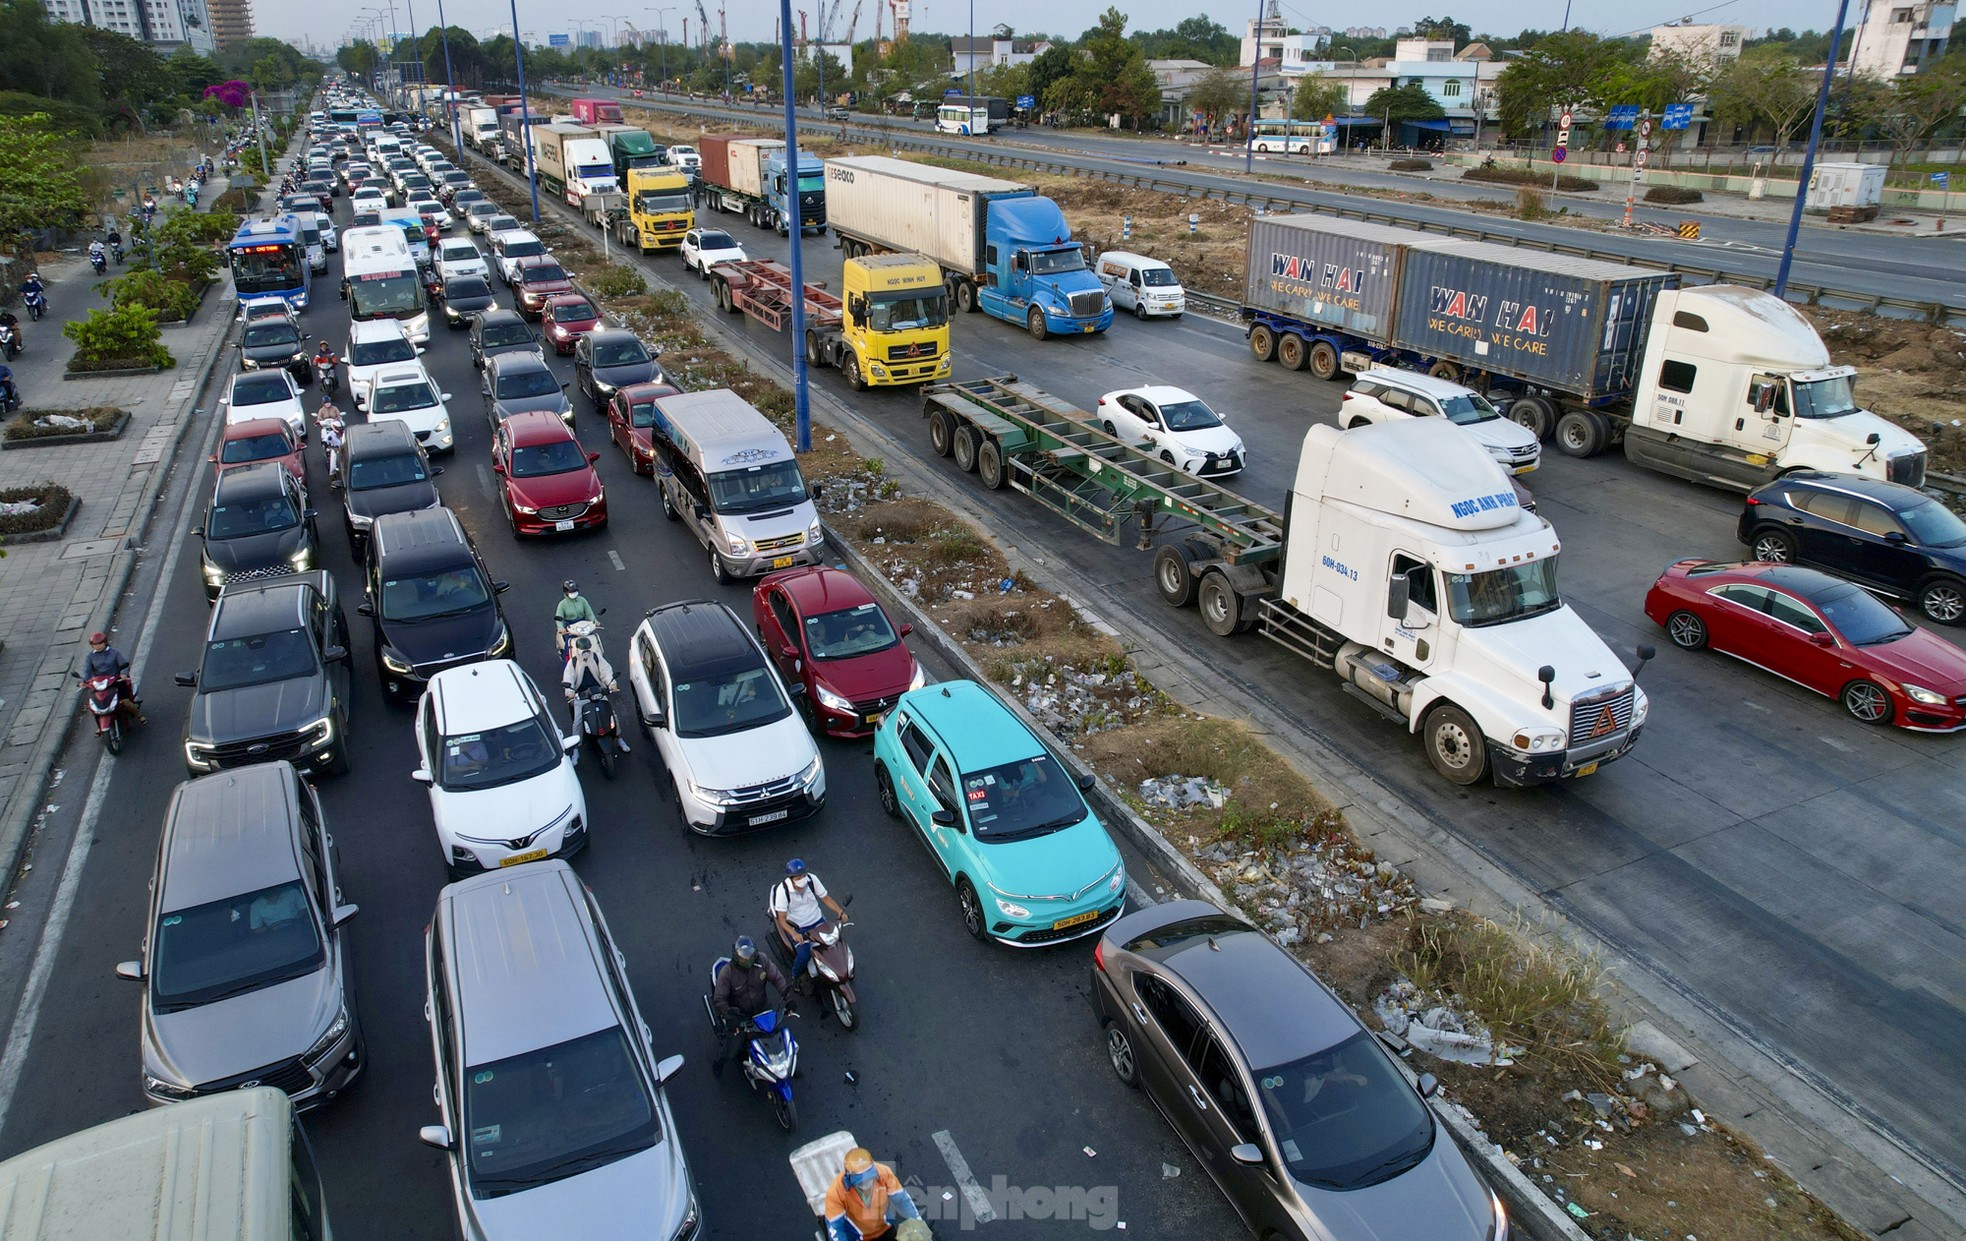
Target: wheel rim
x=1215 y=604
x=1686 y=630
x=1943 y=603
x=1772 y=548
x=1452 y=743
x=1573 y=435
x=1108 y=427
x=1120 y=1053
x=844 y=1011
x=1170 y=577
x=972 y=911
x=1867 y=702
x=889 y=805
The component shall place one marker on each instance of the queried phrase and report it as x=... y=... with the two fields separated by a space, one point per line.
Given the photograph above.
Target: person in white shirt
x=795 y=907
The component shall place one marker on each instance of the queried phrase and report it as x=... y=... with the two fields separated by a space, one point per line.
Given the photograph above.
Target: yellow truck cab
x=897 y=320
x=660 y=209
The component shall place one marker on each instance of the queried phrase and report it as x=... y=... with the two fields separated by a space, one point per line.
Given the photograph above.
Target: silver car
x=548 y=1088
x=245 y=964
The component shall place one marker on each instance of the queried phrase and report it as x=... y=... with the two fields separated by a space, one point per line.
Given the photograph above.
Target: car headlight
x=1538 y=740
x=827 y=698
x=396 y=663
x=302 y=558
x=326 y=1042
x=501 y=646
x=443 y=425
x=1011 y=910
x=737 y=543
x=321 y=731
x=715 y=797
x=169 y=1090
x=213 y=574
x=815 y=534
x=250 y=364
x=691 y=1218
x=1501 y=1232
x=919 y=679
x=521 y=508
x=603 y=387
x=1117 y=879
x=810 y=772
x=1918 y=693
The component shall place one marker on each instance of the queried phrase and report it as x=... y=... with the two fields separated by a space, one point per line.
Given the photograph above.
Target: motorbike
x=109 y=707
x=99 y=261
x=594 y=709
x=9 y=399
x=771 y=1054
x=330 y=380
x=116 y=252
x=829 y=970
x=10 y=341
x=36 y=303
x=581 y=629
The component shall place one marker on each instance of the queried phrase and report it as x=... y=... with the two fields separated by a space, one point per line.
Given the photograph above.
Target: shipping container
x=915 y=208
x=713 y=151
x=1337 y=273
x=596 y=111
x=734 y=162
x=1574 y=325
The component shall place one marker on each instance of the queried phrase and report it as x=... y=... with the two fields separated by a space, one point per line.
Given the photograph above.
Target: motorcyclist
x=587 y=670
x=740 y=994
x=105 y=660
x=324 y=360
x=796 y=909
x=333 y=432
x=115 y=239
x=867 y=1200
x=98 y=256
x=573 y=608
x=32 y=286
x=9 y=394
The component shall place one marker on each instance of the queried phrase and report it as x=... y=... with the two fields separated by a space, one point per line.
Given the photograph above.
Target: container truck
x=479 y=125
x=1718 y=384
x=1402 y=563
x=573 y=162
x=660 y=209
x=512 y=126
x=1002 y=248
x=596 y=111
x=630 y=147
x=890 y=328
x=747 y=176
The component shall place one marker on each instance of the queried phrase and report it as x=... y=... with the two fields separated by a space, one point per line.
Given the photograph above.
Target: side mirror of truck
x=1546 y=674
x=1763 y=396
x=1399 y=592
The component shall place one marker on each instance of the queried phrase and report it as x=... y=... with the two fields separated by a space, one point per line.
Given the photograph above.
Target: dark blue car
x=1895 y=540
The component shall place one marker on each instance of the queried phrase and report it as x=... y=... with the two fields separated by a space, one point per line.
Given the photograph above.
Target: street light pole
x=1255 y=85
x=795 y=229
x=1809 y=156
x=662 y=31
x=525 y=111
x=450 y=83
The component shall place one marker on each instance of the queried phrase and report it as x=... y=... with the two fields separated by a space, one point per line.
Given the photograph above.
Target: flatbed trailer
x=762 y=288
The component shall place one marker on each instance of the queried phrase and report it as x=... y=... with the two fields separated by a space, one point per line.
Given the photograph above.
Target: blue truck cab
x=1035 y=274
x=812 y=192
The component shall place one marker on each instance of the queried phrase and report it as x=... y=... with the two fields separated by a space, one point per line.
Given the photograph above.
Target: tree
x=1220 y=94
x=40 y=178
x=1051 y=66
x=359 y=58
x=1397 y=105
x=1111 y=75
x=44 y=58
x=1317 y=97
x=1931 y=97
x=1561 y=70
x=1442 y=28
x=1763 y=86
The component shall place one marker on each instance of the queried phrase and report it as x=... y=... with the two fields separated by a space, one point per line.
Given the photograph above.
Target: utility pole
x=450 y=82
x=1809 y=156
x=794 y=229
x=525 y=111
x=1255 y=81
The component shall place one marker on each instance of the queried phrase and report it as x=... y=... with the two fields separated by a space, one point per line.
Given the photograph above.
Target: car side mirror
x=1896 y=536
x=570 y=744
x=335 y=654
x=1822 y=639
x=667 y=1068
x=199 y=531
x=905 y=629
x=565 y=384
x=309 y=514
x=213 y=458
x=1429 y=1085
x=438 y=1136
x=130 y=971
x=343 y=913
x=1547 y=675
x=1086 y=780
x=943 y=818
x=1248 y=1154
x=446 y=396
x=499 y=588
x=365 y=608
x=436 y=470
x=592 y=457
x=816 y=490
x=422 y=776
x=187 y=679
x=498 y=468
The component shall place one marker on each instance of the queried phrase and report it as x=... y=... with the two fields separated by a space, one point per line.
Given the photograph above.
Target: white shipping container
x=914 y=208
x=747 y=164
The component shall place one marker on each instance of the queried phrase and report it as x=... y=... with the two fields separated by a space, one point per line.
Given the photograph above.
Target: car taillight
x=1752 y=502
x=1099 y=955
x=1343 y=397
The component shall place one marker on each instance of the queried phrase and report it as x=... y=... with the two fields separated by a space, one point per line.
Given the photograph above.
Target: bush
x=236 y=200
x=1525 y=176
x=1411 y=165
x=1673 y=194
x=53 y=501
x=118 y=338
x=29 y=427
x=173 y=300
x=617 y=280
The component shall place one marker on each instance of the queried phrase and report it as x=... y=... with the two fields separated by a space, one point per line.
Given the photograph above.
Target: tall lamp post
x=1255 y=80
x=662 y=32
x=450 y=83
x=525 y=111
x=795 y=229
x=1809 y=156
x=381 y=76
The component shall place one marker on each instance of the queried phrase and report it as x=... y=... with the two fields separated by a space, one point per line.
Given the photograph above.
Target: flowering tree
x=233 y=94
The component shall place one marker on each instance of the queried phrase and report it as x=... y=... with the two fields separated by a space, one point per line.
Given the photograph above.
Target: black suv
x=1894 y=539
x=430 y=599
x=274 y=681
x=384 y=470
x=500 y=331
x=259 y=526
x=519 y=383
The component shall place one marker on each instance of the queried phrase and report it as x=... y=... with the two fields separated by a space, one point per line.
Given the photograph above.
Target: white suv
x=457 y=256
x=1382 y=394
x=502 y=784
x=374 y=346
x=409 y=395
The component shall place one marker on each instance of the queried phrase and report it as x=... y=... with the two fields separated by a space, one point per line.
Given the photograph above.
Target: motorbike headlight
x=167 y=1090
x=737 y=543
x=919 y=679
x=326 y=1042
x=1918 y=693
x=395 y=662
x=832 y=975
x=1011 y=909
x=1538 y=740
x=827 y=698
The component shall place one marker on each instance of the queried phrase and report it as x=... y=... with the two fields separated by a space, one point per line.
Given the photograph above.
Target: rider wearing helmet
x=587 y=669
x=572 y=610
x=795 y=907
x=867 y=1200
x=741 y=992
x=104 y=660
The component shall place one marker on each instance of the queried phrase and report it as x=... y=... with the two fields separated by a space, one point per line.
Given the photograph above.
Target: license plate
x=530 y=855
x=773 y=817
x=1525 y=469
x=781 y=562
x=563 y=526
x=1085 y=327
x=1075 y=919
x=1587 y=769
x=874 y=719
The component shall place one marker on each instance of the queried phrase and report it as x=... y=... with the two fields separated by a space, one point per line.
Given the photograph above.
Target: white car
x=479 y=214
x=512 y=245
x=374 y=345
x=704 y=248
x=1383 y=394
x=722 y=721
x=409 y=395
x=1175 y=425
x=686 y=158
x=368 y=198
x=500 y=770
x=500 y=223
x=435 y=210
x=265 y=394
x=457 y=256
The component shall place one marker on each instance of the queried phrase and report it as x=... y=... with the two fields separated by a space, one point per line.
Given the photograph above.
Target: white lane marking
x=484 y=478
x=614 y=558
x=1137 y=897
x=1833 y=742
x=1749 y=702
x=979 y=1202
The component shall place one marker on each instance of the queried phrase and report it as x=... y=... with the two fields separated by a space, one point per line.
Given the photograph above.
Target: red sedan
x=823 y=629
x=631 y=422
x=567 y=318
x=539 y=277
x=1820 y=632
x=546 y=482
x=260 y=439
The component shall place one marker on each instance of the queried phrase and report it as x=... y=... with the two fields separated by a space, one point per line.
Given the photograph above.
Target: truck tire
x=1221 y=607
x=966 y=296
x=1581 y=433
x=1324 y=360
x=850 y=367
x=1292 y=352
x=941 y=432
x=815 y=356
x=1445 y=370
x=1262 y=343
x=990 y=465
x=1174 y=574
x=968 y=440
x=1536 y=413
x=1455 y=745
x=1035 y=323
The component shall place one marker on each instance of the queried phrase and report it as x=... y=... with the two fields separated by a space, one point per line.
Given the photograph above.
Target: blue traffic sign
x=1676 y=116
x=557 y=40
x=1559 y=154
x=952 y=93
x=1942 y=179
x=1621 y=116
x=1027 y=101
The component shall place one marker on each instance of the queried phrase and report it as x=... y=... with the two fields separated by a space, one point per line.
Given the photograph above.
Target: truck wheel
x=968 y=440
x=1580 y=433
x=1035 y=322
x=1445 y=370
x=1292 y=353
x=1262 y=343
x=1221 y=607
x=813 y=355
x=941 y=432
x=1324 y=360
x=1455 y=745
x=850 y=366
x=989 y=465
x=966 y=297
x=1174 y=574
x=1535 y=413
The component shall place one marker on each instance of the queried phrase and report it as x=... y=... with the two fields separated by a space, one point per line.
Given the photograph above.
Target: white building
x=1271 y=40
x=1896 y=38
x=1463 y=82
x=1700 y=43
x=164 y=24
x=842 y=52
x=980 y=53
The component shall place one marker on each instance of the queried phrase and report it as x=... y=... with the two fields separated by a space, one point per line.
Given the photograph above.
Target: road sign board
x=1563 y=137
x=1677 y=116
x=1621 y=148
x=1942 y=179
x=1645 y=128
x=952 y=93
x=1621 y=116
x=1559 y=155
x=1565 y=122
x=1027 y=102
x=558 y=40
x=1638 y=160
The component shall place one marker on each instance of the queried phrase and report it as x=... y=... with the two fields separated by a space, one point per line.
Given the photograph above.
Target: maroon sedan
x=546 y=482
x=568 y=317
x=1820 y=632
x=822 y=628
x=539 y=277
x=260 y=439
x=632 y=414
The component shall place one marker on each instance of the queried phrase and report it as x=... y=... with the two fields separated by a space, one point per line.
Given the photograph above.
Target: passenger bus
x=380 y=280
x=1281 y=137
x=342 y=119
x=962 y=118
x=413 y=235
x=269 y=259
x=367 y=120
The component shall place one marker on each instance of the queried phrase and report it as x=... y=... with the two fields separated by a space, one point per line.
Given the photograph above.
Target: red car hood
x=576 y=325
x=547 y=288
x=547 y=490
x=863 y=677
x=1922 y=658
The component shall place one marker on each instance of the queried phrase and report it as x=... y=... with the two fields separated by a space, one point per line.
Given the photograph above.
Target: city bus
x=963 y=118
x=1290 y=138
x=367 y=120
x=380 y=280
x=269 y=259
x=342 y=119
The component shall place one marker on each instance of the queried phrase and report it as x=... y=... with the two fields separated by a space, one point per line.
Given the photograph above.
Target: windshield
x=849 y=632
x=501 y=224
x=402 y=397
x=445 y=592
x=263 y=333
x=521 y=249
x=226 y=948
x=263 y=389
x=527 y=383
x=728 y=702
x=715 y=241
x=1826 y=398
x=1029 y=797
x=757 y=487
x=465 y=287
x=1476 y=599
x=457 y=252
x=1344 y=1118
x=1933 y=525
x=1468 y=409
x=1159 y=278
x=551 y=1113
x=1057 y=262
x=1189 y=416
x=537 y=460
x=368 y=473
x=1858 y=616
x=657 y=204
x=266 y=269
x=900 y=314
x=483 y=760
x=249 y=517
x=255 y=448
x=573 y=312
x=231 y=663
x=390 y=295
x=620 y=353
x=381 y=352
x=541 y=273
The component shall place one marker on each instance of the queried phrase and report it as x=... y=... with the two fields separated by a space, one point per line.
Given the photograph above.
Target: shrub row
x=25 y=427
x=54 y=499
x=1673 y=194
x=1525 y=176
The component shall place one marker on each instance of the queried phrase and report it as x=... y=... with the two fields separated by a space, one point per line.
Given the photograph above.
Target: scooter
x=99 y=261
x=36 y=303
x=108 y=705
x=116 y=252
x=771 y=1054
x=9 y=399
x=330 y=380
x=581 y=629
x=829 y=969
x=594 y=710
x=10 y=341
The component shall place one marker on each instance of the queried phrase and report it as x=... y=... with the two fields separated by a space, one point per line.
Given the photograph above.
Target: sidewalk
x=53 y=595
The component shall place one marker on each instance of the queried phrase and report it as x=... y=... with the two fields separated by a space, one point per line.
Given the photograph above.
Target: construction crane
x=703 y=22
x=851 y=23
x=900 y=8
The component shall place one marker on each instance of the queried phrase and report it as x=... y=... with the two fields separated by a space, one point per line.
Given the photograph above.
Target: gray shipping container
x=915 y=208
x=1573 y=325
x=1341 y=274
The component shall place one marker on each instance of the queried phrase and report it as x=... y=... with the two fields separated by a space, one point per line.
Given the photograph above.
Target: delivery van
x=1147 y=287
x=726 y=472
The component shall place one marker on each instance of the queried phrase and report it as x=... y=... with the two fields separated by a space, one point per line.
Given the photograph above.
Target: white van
x=227 y=1167
x=1145 y=286
x=727 y=473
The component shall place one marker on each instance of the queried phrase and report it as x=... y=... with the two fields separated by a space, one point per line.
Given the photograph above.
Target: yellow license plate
x=1525 y=469
x=782 y=562
x=1074 y=920
x=530 y=855
x=1587 y=769
x=1085 y=327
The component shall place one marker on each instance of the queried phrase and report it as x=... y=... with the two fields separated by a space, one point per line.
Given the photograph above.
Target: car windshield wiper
x=1395 y=1165
x=564 y=1168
